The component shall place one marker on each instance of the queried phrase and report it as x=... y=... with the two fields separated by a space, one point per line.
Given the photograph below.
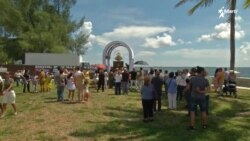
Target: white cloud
x=222 y=31
x=197 y=53
x=87 y=27
x=132 y=34
x=181 y=42
x=245 y=51
x=159 y=41
x=245 y=48
x=145 y=54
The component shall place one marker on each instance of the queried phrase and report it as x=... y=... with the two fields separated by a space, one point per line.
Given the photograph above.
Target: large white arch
x=110 y=47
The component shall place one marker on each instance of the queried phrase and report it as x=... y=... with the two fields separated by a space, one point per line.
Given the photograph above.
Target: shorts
x=9 y=97
x=201 y=101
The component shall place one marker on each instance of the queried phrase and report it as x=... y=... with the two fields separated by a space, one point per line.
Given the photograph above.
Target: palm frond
x=198 y=5
x=181 y=2
x=246 y=4
x=201 y=3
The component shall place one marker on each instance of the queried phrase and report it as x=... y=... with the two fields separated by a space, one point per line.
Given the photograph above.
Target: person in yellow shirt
x=86 y=84
x=42 y=80
x=47 y=83
x=220 y=76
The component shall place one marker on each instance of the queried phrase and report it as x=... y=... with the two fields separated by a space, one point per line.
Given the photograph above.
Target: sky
x=163 y=35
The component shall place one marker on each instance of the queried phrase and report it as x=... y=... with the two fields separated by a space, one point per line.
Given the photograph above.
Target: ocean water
x=244 y=71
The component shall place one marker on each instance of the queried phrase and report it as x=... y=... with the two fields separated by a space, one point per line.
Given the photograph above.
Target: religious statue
x=118 y=56
x=118 y=63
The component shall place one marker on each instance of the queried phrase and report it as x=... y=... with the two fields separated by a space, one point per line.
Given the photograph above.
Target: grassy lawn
x=110 y=117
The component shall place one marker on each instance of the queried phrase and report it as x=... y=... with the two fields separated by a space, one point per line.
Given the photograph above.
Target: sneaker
x=15 y=113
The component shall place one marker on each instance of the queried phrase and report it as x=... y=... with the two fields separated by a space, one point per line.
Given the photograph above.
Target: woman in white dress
x=71 y=86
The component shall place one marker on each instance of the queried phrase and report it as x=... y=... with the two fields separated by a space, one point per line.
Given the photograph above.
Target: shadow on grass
x=50 y=98
x=51 y=101
x=70 y=102
x=126 y=124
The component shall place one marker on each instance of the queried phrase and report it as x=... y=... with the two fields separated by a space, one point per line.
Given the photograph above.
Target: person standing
x=101 y=81
x=17 y=77
x=34 y=82
x=106 y=78
x=71 y=86
x=171 y=87
x=165 y=78
x=118 y=79
x=42 y=78
x=9 y=96
x=147 y=95
x=79 y=82
x=140 y=78
x=47 y=82
x=220 y=76
x=26 y=83
x=111 y=80
x=133 y=82
x=86 y=94
x=60 y=86
x=181 y=84
x=187 y=91
x=125 y=81
x=199 y=86
x=157 y=82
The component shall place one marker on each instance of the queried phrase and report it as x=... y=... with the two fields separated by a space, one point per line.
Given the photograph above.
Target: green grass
x=119 y=118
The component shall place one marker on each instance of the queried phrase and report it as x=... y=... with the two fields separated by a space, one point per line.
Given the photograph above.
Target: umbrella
x=100 y=66
x=141 y=63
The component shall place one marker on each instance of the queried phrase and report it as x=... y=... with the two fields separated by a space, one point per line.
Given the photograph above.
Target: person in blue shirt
x=171 y=88
x=147 y=95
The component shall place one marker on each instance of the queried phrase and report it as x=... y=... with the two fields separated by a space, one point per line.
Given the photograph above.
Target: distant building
x=52 y=59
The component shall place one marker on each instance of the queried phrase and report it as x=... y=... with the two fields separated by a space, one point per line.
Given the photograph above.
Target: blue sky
x=164 y=35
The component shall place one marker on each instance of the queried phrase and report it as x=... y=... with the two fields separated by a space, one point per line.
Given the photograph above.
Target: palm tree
x=247 y=4
x=232 y=5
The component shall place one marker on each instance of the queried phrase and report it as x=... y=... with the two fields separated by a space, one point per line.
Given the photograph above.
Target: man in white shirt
x=181 y=84
x=118 y=79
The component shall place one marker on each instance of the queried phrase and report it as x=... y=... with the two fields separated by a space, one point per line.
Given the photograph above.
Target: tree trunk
x=232 y=35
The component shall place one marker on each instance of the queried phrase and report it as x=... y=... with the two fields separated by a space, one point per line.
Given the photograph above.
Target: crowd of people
x=31 y=80
x=191 y=85
x=74 y=80
x=225 y=81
